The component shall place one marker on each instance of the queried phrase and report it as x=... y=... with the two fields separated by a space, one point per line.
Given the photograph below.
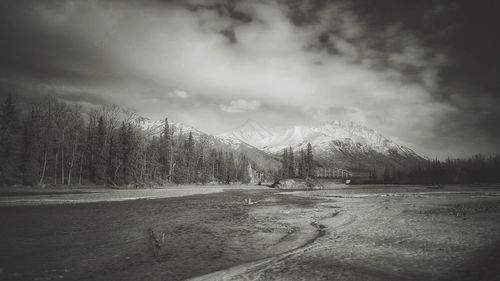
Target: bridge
x=332 y=173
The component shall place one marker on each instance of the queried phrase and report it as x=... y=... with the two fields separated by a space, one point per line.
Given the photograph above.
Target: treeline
x=476 y=169
x=302 y=167
x=52 y=142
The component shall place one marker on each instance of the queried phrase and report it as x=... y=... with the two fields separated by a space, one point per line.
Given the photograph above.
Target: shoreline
x=69 y=196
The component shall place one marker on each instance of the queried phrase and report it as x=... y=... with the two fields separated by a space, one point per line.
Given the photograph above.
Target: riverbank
x=37 y=196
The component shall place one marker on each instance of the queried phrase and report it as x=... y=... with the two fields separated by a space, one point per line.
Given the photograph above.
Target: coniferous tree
x=291 y=163
x=9 y=143
x=213 y=164
x=181 y=171
x=285 y=167
x=244 y=169
x=125 y=150
x=230 y=174
x=30 y=162
x=309 y=161
x=203 y=167
x=113 y=161
x=302 y=168
x=190 y=159
x=221 y=167
x=166 y=151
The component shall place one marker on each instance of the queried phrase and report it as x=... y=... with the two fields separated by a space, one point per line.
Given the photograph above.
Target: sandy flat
x=113 y=195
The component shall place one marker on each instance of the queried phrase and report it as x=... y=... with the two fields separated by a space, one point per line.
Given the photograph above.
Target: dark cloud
x=229 y=33
x=223 y=8
x=37 y=49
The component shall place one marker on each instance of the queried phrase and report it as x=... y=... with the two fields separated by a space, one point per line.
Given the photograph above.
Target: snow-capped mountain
x=342 y=141
x=251 y=133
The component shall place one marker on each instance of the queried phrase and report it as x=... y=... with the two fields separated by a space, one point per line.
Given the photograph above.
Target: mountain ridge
x=335 y=143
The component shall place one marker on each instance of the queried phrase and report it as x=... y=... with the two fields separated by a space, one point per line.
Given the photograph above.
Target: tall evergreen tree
x=284 y=169
x=9 y=143
x=244 y=169
x=302 y=168
x=30 y=161
x=309 y=161
x=190 y=159
x=30 y=158
x=291 y=163
x=221 y=166
x=181 y=171
x=166 y=151
x=212 y=165
x=127 y=151
x=230 y=174
x=203 y=166
x=113 y=161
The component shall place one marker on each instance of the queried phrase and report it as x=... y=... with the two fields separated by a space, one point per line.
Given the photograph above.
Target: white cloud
x=240 y=105
x=178 y=94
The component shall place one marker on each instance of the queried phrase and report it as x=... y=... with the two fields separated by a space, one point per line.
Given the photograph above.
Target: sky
x=423 y=73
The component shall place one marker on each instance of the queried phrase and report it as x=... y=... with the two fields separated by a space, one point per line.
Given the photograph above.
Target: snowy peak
x=341 y=130
x=251 y=130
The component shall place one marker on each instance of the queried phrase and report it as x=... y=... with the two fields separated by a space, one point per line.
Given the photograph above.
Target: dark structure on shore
x=355 y=175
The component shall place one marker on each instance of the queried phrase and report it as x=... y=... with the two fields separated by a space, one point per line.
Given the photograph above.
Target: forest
x=471 y=170
x=49 y=142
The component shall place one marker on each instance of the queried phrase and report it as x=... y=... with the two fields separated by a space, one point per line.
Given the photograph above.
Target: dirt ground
x=347 y=233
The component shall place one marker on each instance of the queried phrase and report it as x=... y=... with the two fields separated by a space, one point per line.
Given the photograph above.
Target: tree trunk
x=81 y=169
x=115 y=174
x=62 y=159
x=44 y=166
x=47 y=142
x=72 y=161
x=213 y=170
x=171 y=161
x=55 y=168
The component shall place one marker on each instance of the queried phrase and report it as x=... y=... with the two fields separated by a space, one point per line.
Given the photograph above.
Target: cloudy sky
x=424 y=73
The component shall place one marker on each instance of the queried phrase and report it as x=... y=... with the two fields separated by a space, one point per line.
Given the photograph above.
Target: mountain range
x=341 y=144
